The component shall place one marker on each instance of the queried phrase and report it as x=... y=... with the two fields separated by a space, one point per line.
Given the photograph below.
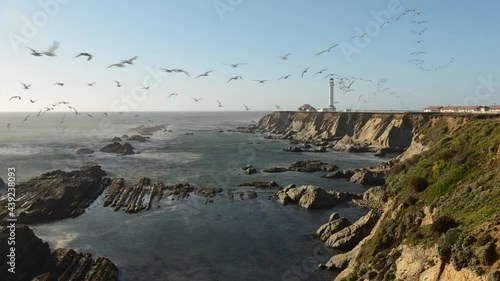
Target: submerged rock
x=149 y=130
x=208 y=191
x=57 y=195
x=275 y=170
x=137 y=138
x=2 y=183
x=82 y=151
x=311 y=166
x=261 y=184
x=293 y=149
x=116 y=139
x=117 y=148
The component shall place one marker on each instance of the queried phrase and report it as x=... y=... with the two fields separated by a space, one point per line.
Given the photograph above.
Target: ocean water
x=185 y=239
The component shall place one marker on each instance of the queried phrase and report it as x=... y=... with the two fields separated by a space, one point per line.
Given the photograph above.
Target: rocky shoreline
x=36 y=262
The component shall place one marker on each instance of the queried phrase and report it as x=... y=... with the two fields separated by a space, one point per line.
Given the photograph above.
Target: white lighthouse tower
x=331 y=101
x=332 y=86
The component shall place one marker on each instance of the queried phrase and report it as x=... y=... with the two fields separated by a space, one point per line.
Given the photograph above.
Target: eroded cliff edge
x=439 y=211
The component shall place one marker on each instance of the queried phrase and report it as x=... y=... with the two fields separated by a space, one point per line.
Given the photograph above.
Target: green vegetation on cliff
x=448 y=195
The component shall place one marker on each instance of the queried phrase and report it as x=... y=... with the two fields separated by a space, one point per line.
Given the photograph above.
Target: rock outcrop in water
x=118 y=148
x=83 y=151
x=56 y=195
x=313 y=197
x=35 y=262
x=145 y=193
x=148 y=130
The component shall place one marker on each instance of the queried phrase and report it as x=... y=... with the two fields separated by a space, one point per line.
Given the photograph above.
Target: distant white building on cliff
x=307 y=108
x=331 y=107
x=464 y=109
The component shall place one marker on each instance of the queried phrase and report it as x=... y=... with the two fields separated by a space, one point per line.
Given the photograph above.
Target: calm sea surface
x=187 y=239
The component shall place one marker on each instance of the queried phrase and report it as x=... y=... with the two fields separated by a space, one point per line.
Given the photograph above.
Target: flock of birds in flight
x=345 y=83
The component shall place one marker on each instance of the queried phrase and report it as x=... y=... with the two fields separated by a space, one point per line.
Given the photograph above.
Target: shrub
x=419 y=184
x=443 y=224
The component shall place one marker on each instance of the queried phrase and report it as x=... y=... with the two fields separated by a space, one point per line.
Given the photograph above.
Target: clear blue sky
x=201 y=35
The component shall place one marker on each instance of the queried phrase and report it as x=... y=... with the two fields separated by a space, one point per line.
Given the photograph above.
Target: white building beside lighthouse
x=331 y=101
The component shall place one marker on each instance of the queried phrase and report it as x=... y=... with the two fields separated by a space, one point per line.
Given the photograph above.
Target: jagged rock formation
x=142 y=195
x=35 y=262
x=313 y=197
x=56 y=195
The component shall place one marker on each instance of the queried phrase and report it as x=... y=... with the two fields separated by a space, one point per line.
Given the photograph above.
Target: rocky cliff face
x=440 y=204
x=373 y=131
x=35 y=262
x=441 y=218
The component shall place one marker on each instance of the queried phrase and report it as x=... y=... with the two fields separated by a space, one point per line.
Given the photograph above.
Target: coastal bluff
x=438 y=212
x=409 y=132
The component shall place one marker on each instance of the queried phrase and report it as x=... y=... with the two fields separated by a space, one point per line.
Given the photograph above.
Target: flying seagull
x=204 y=74
x=327 y=50
x=88 y=114
x=89 y=56
x=196 y=100
x=91 y=84
x=118 y=84
x=26 y=87
x=234 y=65
x=35 y=53
x=246 y=107
x=304 y=72
x=420 y=32
x=117 y=65
x=277 y=106
x=175 y=70
x=172 y=94
x=8 y=126
x=129 y=61
x=330 y=75
x=26 y=118
x=105 y=114
x=321 y=71
x=59 y=84
x=52 y=49
x=285 y=57
x=76 y=112
x=234 y=78
x=220 y=104
x=262 y=81
x=32 y=101
x=284 y=77
x=15 y=97
x=146 y=88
